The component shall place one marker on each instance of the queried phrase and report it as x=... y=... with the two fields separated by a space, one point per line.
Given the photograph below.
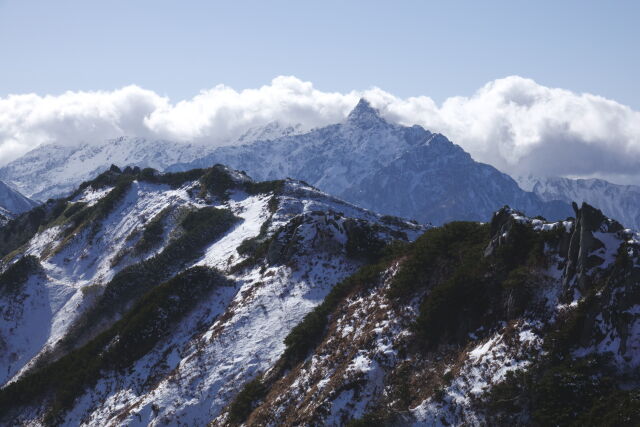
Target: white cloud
x=27 y=121
x=513 y=123
x=522 y=127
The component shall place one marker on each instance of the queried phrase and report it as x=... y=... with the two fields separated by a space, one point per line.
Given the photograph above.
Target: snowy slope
x=392 y=169
x=12 y=202
x=232 y=334
x=621 y=202
x=268 y=132
x=57 y=297
x=545 y=353
x=309 y=321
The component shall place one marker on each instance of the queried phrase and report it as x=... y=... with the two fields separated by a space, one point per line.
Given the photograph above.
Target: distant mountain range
x=366 y=160
x=621 y=202
x=56 y=170
x=389 y=168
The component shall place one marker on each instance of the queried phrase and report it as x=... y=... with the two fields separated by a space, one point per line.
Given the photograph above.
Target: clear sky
x=439 y=48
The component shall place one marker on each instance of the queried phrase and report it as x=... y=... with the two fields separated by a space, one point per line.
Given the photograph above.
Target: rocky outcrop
x=586 y=251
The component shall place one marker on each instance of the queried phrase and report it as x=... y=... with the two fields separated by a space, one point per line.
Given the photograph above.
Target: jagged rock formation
x=515 y=322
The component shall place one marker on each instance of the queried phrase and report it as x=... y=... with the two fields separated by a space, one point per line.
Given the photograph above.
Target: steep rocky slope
x=621 y=202
x=147 y=298
x=516 y=322
x=438 y=180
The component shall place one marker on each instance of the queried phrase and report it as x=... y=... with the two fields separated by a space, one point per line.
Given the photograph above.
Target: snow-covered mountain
x=268 y=132
x=55 y=170
x=621 y=202
x=389 y=168
x=206 y=298
x=190 y=282
x=13 y=203
x=439 y=181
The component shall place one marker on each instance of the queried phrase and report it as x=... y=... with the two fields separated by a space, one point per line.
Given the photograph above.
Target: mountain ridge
x=350 y=158
x=364 y=159
x=410 y=344
x=205 y=297
x=119 y=251
x=621 y=202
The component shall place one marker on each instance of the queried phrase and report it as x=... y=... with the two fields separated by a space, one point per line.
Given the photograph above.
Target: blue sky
x=438 y=49
x=509 y=81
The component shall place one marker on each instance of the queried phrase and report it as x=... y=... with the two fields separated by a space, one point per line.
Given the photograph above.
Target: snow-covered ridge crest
x=118 y=242
x=55 y=170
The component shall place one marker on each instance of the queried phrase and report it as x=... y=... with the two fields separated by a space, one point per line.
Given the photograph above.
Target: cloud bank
x=513 y=123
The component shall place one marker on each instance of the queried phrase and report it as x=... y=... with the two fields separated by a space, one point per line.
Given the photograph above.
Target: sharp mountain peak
x=364 y=112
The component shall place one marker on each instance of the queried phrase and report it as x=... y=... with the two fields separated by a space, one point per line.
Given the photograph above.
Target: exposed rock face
x=586 y=250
